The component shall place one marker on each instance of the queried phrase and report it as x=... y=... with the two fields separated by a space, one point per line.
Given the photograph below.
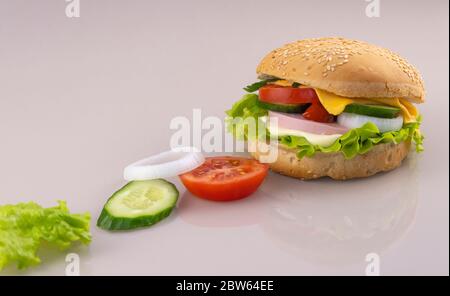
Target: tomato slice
x=276 y=94
x=317 y=112
x=225 y=178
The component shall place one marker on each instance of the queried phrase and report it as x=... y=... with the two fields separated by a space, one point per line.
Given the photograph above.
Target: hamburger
x=344 y=109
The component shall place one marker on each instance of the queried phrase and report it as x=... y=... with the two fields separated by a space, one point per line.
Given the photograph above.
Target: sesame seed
x=325 y=50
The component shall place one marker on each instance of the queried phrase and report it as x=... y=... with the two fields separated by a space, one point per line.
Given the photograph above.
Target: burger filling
x=311 y=120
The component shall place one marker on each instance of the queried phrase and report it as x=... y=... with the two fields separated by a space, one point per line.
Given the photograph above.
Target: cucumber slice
x=373 y=110
x=286 y=108
x=139 y=204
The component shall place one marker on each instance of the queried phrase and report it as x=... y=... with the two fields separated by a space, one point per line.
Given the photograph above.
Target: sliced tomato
x=225 y=178
x=317 y=112
x=276 y=94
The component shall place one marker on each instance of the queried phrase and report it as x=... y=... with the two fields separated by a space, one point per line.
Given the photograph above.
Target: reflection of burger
x=319 y=225
x=343 y=107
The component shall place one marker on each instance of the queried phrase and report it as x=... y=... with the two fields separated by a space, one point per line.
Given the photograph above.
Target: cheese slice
x=282 y=82
x=335 y=104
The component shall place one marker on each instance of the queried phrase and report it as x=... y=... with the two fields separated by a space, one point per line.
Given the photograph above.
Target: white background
x=82 y=98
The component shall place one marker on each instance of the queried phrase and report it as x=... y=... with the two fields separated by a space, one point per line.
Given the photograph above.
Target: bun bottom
x=382 y=157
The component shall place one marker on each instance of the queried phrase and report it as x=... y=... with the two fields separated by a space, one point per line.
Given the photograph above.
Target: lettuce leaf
x=242 y=110
x=257 y=85
x=23 y=227
x=356 y=141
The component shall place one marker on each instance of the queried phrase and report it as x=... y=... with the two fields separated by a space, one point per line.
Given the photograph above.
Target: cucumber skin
x=383 y=112
x=109 y=222
x=300 y=108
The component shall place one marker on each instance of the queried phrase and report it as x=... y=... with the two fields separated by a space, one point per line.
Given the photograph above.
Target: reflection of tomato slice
x=275 y=94
x=225 y=178
x=203 y=213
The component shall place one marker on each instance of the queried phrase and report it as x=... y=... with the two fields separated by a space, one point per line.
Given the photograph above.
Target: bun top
x=345 y=67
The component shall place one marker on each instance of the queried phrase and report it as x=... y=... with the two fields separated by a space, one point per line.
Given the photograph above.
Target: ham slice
x=298 y=122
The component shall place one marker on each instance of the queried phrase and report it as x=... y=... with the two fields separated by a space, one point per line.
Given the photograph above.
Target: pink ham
x=298 y=122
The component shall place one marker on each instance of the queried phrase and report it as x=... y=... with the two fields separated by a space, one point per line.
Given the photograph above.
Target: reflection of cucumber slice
x=139 y=204
x=286 y=108
x=373 y=110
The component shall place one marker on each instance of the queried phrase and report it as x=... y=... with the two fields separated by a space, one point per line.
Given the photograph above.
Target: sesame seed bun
x=345 y=67
x=383 y=157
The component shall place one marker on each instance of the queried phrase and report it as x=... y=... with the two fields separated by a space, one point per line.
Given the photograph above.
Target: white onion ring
x=167 y=164
x=352 y=120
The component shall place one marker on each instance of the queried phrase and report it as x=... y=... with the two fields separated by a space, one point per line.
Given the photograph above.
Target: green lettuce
x=242 y=110
x=257 y=85
x=25 y=226
x=356 y=141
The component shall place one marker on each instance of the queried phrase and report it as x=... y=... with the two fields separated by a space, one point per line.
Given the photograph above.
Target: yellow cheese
x=332 y=103
x=335 y=104
x=282 y=83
